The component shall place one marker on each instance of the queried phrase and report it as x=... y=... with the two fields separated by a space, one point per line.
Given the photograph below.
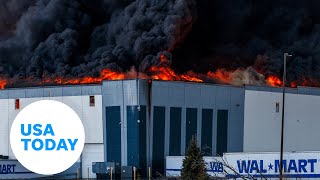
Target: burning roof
x=229 y=42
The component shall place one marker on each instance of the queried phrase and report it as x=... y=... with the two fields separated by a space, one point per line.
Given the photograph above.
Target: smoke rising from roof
x=41 y=39
x=241 y=33
x=75 y=38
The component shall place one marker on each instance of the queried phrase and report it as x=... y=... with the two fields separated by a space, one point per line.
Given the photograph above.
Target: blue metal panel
x=293 y=90
x=91 y=90
x=17 y=93
x=264 y=88
x=4 y=94
x=34 y=92
x=113 y=130
x=111 y=87
x=160 y=93
x=130 y=87
x=236 y=121
x=71 y=91
x=208 y=96
x=222 y=97
x=52 y=92
x=192 y=95
x=309 y=90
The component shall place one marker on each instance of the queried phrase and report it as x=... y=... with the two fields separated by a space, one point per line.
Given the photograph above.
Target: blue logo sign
x=7 y=168
x=289 y=166
x=216 y=167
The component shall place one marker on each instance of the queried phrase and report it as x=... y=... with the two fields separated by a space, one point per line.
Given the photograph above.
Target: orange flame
x=221 y=75
x=307 y=81
x=163 y=58
x=274 y=81
x=191 y=76
x=3 y=83
x=293 y=84
x=163 y=72
x=167 y=74
x=105 y=74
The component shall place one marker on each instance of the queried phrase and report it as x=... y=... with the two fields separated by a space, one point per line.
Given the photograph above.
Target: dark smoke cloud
x=10 y=13
x=75 y=38
x=241 y=33
x=50 y=38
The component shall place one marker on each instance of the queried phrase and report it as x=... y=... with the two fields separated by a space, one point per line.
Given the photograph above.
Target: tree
x=193 y=166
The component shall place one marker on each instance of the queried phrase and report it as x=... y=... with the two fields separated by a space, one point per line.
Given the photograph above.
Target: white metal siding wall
x=13 y=113
x=262 y=126
x=302 y=123
x=261 y=121
x=91 y=117
x=91 y=153
x=4 y=127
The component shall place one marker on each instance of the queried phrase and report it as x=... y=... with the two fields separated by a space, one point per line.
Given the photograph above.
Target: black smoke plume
x=75 y=38
x=242 y=33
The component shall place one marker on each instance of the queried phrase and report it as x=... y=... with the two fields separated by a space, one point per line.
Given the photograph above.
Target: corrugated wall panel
x=17 y=93
x=71 y=90
x=52 y=91
x=92 y=119
x=91 y=90
x=14 y=112
x=4 y=94
x=236 y=123
x=34 y=92
x=91 y=153
x=262 y=122
x=4 y=127
x=262 y=126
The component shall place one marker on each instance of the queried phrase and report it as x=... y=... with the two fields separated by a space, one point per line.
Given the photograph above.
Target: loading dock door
x=191 y=125
x=113 y=131
x=222 y=132
x=158 y=140
x=206 y=133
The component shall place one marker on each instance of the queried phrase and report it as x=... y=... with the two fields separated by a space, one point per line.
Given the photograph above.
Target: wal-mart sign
x=255 y=165
x=12 y=169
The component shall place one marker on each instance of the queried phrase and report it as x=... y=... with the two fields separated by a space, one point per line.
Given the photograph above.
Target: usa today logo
x=47 y=137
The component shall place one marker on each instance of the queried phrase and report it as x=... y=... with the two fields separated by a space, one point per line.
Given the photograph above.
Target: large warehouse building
x=140 y=122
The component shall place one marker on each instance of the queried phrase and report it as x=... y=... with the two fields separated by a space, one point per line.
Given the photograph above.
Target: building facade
x=140 y=122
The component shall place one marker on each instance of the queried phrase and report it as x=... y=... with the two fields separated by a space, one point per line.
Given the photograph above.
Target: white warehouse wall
x=91 y=153
x=12 y=115
x=262 y=124
x=4 y=127
x=91 y=118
